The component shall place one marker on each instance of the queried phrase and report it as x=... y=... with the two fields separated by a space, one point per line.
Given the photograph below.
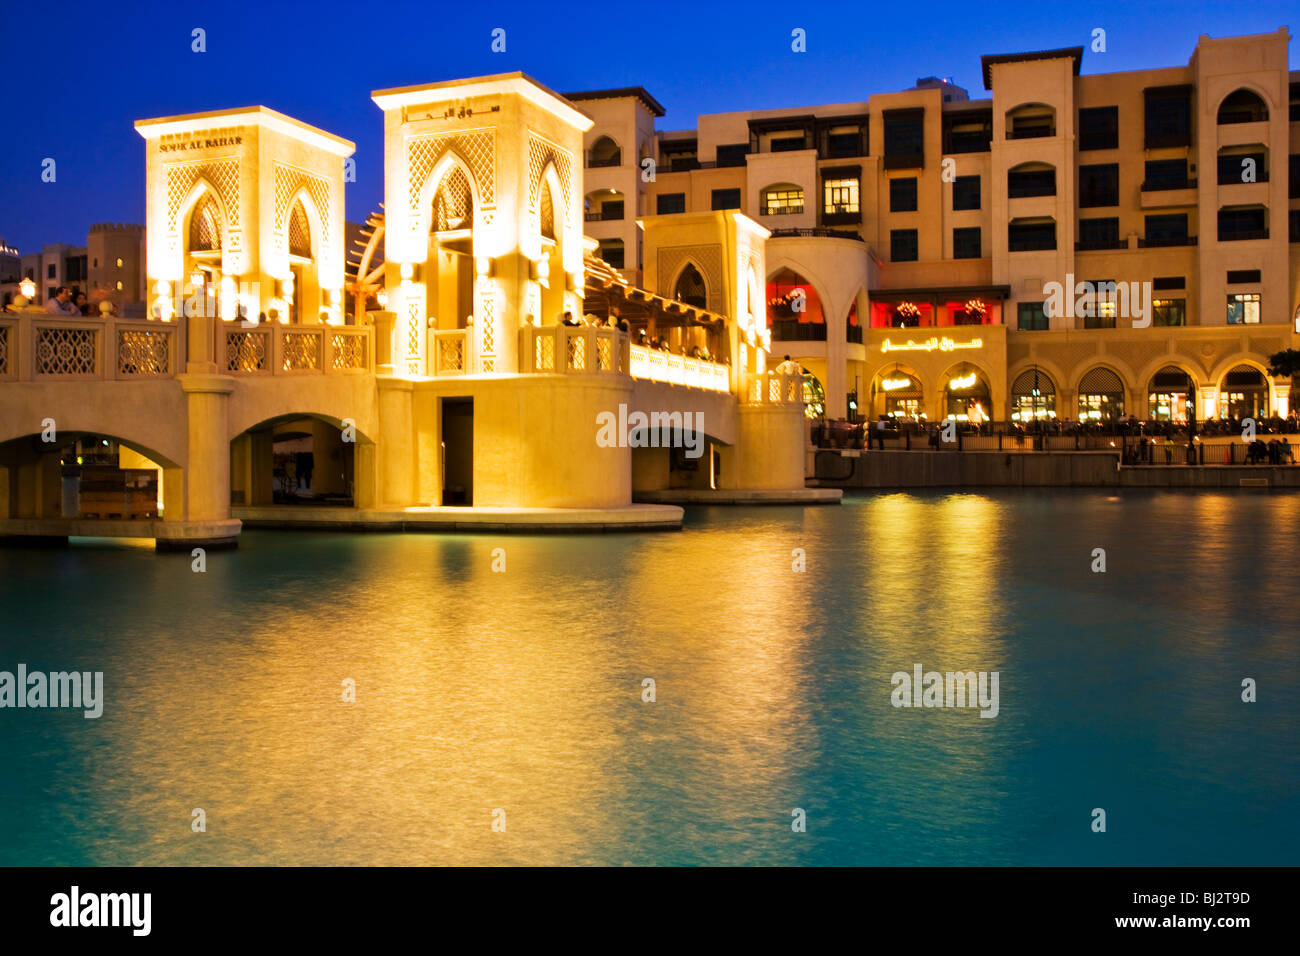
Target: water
x=522 y=691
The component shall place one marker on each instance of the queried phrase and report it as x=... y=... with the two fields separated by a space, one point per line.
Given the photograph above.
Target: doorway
x=458 y=451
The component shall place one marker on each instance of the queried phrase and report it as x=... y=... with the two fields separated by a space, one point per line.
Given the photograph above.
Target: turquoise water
x=522 y=691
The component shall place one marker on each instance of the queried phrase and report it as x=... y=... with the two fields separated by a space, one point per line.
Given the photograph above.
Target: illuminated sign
x=944 y=344
x=890 y=384
x=964 y=381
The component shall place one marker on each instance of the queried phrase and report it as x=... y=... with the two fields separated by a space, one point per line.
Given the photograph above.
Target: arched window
x=1243 y=106
x=1168 y=394
x=205 y=225
x=1101 y=396
x=453 y=204
x=1030 y=120
x=782 y=199
x=1033 y=396
x=611 y=250
x=1245 y=392
x=547 y=214
x=690 y=288
x=795 y=308
x=604 y=152
x=1031 y=179
x=299 y=232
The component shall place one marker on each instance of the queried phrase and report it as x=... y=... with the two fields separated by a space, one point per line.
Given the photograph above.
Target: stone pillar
x=207 y=472
x=396 y=448
x=769 y=451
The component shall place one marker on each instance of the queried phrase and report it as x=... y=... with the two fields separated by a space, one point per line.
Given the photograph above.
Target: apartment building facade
x=1071 y=246
x=109 y=266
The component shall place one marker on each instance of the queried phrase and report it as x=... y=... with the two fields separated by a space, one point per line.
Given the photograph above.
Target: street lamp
x=27 y=287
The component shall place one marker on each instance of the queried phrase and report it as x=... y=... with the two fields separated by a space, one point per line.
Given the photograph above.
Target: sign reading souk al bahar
x=203 y=139
x=932 y=344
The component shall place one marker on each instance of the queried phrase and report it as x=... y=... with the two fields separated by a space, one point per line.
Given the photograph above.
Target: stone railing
x=274 y=349
x=449 y=352
x=773 y=388
x=562 y=349
x=660 y=366
x=36 y=346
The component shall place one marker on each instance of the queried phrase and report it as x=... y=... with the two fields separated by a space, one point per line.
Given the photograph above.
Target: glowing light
x=382 y=298
x=27 y=287
x=890 y=384
x=962 y=381
x=408 y=271
x=944 y=344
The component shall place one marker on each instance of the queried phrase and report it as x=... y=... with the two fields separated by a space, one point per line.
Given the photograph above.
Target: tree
x=1284 y=364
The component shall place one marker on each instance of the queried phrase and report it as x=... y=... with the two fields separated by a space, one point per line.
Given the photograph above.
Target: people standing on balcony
x=789 y=367
x=61 y=304
x=80 y=303
x=570 y=320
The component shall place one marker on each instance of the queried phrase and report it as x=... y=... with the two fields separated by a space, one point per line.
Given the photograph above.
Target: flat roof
x=986 y=61
x=517 y=82
x=249 y=116
x=638 y=92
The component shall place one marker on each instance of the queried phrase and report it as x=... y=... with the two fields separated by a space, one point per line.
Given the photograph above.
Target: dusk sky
x=77 y=85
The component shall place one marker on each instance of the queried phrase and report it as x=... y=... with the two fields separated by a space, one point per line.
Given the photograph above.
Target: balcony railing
x=39 y=347
x=1159 y=185
x=566 y=349
x=657 y=366
x=449 y=352
x=819 y=232
x=1242 y=235
x=274 y=349
x=1097 y=245
x=792 y=330
x=773 y=388
x=1162 y=242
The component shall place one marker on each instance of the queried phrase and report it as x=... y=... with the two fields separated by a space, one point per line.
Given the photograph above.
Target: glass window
x=903 y=245
x=1167 y=312
x=1242 y=222
x=1031 y=182
x=1243 y=308
x=902 y=195
x=782 y=201
x=1031 y=317
x=1165 y=174
x=1099 y=233
x=966 y=192
x=1099 y=185
x=841 y=195
x=1168 y=117
x=787 y=144
x=966 y=243
x=1031 y=235
x=733 y=154
x=669 y=203
x=1099 y=127
x=1166 y=230
x=844 y=143
x=726 y=199
x=1233 y=168
x=904 y=133
x=611 y=250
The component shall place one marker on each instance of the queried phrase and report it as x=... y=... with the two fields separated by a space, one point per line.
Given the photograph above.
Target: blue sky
x=78 y=85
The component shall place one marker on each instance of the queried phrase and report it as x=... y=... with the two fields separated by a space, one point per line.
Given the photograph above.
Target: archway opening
x=795 y=308
x=294 y=460
x=1242 y=106
x=83 y=475
x=1168 y=395
x=450 y=273
x=1033 y=397
x=690 y=288
x=1245 y=393
x=967 y=397
x=898 y=393
x=1101 y=396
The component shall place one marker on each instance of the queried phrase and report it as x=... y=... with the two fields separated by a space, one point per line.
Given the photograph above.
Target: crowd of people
x=64 y=302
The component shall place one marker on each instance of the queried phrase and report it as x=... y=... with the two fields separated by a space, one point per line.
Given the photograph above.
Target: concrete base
x=167 y=535
x=743 y=496
x=494 y=520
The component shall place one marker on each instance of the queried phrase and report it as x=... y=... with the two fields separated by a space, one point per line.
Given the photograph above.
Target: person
x=1285 y=455
x=1274 y=452
x=570 y=320
x=881 y=426
x=80 y=304
x=789 y=367
x=934 y=438
x=61 y=304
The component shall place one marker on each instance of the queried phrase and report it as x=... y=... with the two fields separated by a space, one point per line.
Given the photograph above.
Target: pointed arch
x=422 y=214
x=203 y=191
x=690 y=282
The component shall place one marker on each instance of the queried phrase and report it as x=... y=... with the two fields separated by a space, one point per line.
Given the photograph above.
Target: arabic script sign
x=944 y=344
